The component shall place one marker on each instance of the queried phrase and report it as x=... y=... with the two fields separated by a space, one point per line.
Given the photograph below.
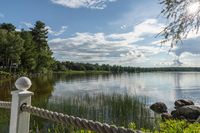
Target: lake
x=112 y=98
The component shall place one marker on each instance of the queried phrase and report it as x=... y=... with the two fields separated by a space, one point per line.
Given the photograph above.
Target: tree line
x=26 y=50
x=67 y=65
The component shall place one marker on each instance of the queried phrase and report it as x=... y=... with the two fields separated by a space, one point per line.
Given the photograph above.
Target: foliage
x=25 y=51
x=177 y=126
x=11 y=47
x=173 y=126
x=4 y=74
x=44 y=59
x=7 y=26
x=28 y=57
x=181 y=22
x=73 y=67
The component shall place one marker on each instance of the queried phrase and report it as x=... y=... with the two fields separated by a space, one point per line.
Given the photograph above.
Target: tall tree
x=11 y=48
x=3 y=45
x=14 y=49
x=7 y=26
x=44 y=54
x=28 y=57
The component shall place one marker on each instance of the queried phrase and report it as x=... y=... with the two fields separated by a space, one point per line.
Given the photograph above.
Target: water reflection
x=111 y=98
x=165 y=87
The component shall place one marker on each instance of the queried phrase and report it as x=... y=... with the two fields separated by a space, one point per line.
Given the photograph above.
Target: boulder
x=183 y=102
x=166 y=116
x=189 y=112
x=198 y=119
x=159 y=107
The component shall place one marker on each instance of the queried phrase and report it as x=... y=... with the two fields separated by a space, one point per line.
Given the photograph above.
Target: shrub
x=173 y=126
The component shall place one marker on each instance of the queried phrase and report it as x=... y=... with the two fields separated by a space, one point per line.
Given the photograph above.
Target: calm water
x=115 y=99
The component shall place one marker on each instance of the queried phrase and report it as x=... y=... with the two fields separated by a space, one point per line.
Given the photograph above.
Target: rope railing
x=21 y=110
x=5 y=105
x=75 y=121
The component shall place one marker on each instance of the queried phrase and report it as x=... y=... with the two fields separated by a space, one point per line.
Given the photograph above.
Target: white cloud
x=28 y=24
x=149 y=26
x=93 y=4
x=56 y=33
x=119 y=49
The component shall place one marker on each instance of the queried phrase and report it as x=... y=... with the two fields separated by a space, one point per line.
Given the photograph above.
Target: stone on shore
x=189 y=112
x=159 y=107
x=184 y=109
x=166 y=116
x=183 y=102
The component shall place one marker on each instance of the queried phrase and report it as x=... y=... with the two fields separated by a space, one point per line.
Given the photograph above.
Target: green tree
x=14 y=49
x=7 y=26
x=28 y=57
x=44 y=54
x=3 y=44
x=11 y=48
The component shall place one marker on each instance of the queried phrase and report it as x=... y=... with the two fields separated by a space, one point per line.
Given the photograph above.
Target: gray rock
x=183 y=102
x=159 y=107
x=166 y=116
x=189 y=112
x=198 y=119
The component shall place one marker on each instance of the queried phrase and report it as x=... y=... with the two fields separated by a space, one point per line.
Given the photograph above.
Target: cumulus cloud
x=148 y=27
x=27 y=24
x=56 y=33
x=184 y=53
x=188 y=51
x=112 y=48
x=92 y=4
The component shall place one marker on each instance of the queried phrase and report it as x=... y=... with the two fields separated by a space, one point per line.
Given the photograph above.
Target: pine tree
x=44 y=54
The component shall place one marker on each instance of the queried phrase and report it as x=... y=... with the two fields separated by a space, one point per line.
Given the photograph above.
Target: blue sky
x=103 y=31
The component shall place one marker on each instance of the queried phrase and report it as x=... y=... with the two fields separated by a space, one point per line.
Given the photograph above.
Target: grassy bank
x=74 y=72
x=4 y=75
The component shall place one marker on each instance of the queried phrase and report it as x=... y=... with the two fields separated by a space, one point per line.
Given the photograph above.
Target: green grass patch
x=75 y=72
x=4 y=75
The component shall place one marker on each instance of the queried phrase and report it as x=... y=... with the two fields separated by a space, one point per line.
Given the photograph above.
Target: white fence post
x=19 y=121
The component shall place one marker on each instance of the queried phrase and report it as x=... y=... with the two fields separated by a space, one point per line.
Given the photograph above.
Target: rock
x=166 y=116
x=198 y=119
x=183 y=102
x=189 y=112
x=159 y=107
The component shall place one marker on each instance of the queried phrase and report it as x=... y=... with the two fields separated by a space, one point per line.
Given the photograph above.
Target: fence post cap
x=23 y=83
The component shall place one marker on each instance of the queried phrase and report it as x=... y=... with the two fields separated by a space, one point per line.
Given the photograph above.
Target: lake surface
x=113 y=98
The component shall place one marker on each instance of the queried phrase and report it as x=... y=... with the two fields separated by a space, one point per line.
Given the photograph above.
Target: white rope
x=76 y=121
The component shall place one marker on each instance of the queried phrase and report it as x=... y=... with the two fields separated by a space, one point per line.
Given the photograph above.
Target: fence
x=21 y=109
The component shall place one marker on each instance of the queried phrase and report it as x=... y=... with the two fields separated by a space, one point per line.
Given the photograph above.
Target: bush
x=173 y=126
x=177 y=126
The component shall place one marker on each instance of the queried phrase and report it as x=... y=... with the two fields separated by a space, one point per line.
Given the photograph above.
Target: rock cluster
x=184 y=109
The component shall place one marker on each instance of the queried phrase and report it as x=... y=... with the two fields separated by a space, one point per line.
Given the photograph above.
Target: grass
x=115 y=109
x=75 y=72
x=4 y=75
